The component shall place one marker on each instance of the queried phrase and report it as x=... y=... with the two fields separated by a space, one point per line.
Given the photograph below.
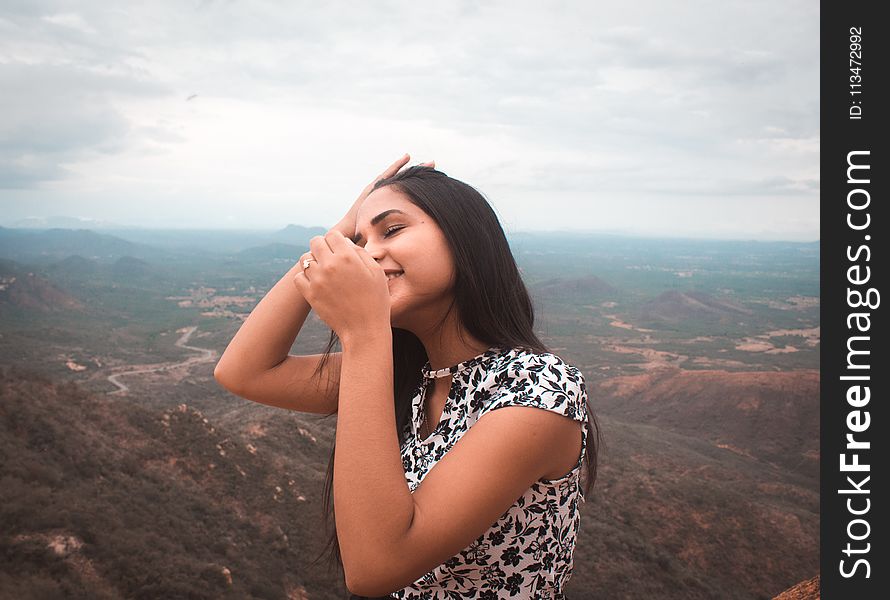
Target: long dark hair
x=490 y=298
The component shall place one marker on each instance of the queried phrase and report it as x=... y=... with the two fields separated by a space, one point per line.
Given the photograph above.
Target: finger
x=302 y=285
x=305 y=272
x=365 y=256
x=338 y=243
x=394 y=167
x=367 y=259
x=320 y=249
x=303 y=257
x=431 y=163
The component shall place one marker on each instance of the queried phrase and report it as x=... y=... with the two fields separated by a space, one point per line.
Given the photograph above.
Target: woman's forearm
x=266 y=336
x=372 y=503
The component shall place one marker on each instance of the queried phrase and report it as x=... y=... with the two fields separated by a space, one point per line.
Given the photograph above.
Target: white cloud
x=70 y=20
x=610 y=113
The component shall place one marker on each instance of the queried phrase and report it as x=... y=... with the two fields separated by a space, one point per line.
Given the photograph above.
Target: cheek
x=445 y=276
x=447 y=270
x=432 y=282
x=431 y=266
x=430 y=279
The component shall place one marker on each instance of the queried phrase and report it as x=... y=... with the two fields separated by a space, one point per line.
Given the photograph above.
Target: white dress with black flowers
x=528 y=551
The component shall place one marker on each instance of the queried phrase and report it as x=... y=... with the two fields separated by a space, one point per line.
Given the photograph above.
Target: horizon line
x=740 y=237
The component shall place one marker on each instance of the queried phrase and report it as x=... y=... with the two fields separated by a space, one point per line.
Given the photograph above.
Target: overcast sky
x=679 y=118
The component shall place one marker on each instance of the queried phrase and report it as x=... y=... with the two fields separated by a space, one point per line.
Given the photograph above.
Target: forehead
x=383 y=199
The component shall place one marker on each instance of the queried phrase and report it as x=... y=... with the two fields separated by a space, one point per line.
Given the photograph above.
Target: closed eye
x=392 y=229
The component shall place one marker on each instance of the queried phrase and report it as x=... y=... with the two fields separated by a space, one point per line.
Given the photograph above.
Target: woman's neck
x=445 y=347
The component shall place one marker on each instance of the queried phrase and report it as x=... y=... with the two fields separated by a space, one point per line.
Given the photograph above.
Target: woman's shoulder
x=542 y=379
x=527 y=362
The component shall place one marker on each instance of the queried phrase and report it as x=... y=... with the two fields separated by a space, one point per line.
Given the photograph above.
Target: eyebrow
x=376 y=220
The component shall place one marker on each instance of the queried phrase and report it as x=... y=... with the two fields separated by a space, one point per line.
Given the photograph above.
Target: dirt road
x=204 y=356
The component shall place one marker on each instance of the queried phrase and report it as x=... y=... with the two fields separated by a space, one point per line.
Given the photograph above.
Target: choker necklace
x=428 y=373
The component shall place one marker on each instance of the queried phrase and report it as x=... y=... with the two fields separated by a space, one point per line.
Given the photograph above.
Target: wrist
x=376 y=337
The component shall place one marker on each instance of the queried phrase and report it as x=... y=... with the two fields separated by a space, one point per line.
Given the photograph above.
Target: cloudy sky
x=679 y=118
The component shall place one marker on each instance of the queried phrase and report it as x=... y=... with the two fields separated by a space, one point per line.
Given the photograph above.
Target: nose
x=375 y=250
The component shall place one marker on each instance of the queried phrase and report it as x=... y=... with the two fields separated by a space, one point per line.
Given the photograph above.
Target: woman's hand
x=346 y=225
x=345 y=286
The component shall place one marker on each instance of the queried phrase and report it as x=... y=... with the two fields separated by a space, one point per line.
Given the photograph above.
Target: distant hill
x=52 y=245
x=272 y=251
x=297 y=234
x=128 y=268
x=674 y=307
x=210 y=242
x=75 y=265
x=770 y=415
x=589 y=286
x=23 y=289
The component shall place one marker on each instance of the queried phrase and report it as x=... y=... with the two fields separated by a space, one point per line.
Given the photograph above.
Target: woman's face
x=409 y=245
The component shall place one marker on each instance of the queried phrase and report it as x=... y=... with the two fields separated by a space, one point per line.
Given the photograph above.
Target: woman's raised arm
x=257 y=365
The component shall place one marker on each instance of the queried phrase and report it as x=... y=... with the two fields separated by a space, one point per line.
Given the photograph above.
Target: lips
x=394 y=275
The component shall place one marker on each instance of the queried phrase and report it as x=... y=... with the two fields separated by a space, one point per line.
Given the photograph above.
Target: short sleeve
x=542 y=381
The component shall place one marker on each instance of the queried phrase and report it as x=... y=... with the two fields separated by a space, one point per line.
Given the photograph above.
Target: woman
x=436 y=493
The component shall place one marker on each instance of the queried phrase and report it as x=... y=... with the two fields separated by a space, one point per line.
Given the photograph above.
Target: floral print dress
x=527 y=553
